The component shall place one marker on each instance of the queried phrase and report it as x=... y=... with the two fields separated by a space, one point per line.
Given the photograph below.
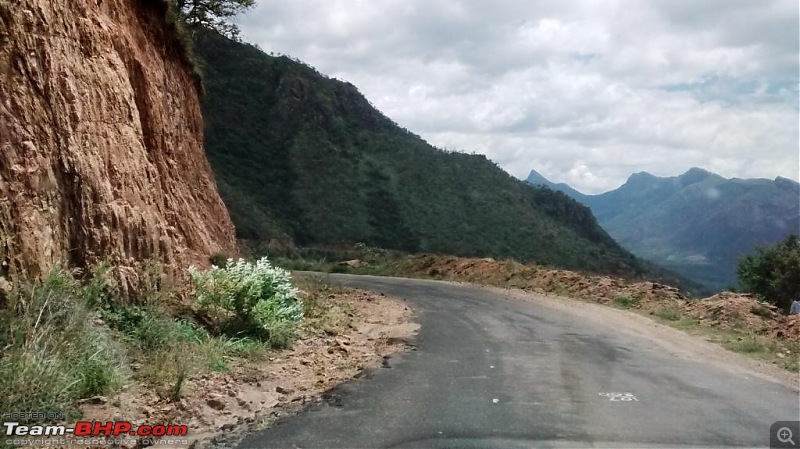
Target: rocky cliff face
x=101 y=141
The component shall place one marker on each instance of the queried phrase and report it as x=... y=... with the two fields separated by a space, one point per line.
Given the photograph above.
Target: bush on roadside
x=54 y=353
x=166 y=349
x=259 y=296
x=773 y=272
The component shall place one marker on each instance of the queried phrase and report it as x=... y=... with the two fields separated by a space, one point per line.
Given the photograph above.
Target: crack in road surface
x=492 y=370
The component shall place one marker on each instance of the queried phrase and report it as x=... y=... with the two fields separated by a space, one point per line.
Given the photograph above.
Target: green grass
x=562 y=290
x=170 y=350
x=64 y=340
x=748 y=345
x=331 y=264
x=626 y=301
x=791 y=357
x=53 y=352
x=783 y=354
x=301 y=264
x=685 y=324
x=668 y=313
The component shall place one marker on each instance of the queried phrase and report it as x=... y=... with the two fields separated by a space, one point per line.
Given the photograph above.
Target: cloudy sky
x=585 y=92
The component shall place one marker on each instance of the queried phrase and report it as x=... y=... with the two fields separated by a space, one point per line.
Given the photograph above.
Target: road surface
x=493 y=371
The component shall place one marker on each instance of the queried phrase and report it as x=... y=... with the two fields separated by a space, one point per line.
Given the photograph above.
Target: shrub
x=260 y=297
x=219 y=260
x=100 y=287
x=53 y=351
x=773 y=272
x=146 y=327
x=339 y=269
x=370 y=253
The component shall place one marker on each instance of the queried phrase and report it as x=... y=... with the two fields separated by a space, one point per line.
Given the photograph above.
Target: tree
x=213 y=14
x=773 y=272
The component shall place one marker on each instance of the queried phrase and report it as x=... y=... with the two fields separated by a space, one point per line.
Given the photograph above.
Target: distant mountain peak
x=782 y=180
x=535 y=177
x=696 y=171
x=639 y=179
x=695 y=175
x=691 y=176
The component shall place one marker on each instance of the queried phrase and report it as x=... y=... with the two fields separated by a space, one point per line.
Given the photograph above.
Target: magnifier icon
x=784 y=435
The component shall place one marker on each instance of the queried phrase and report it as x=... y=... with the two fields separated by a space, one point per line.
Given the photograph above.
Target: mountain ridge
x=697 y=223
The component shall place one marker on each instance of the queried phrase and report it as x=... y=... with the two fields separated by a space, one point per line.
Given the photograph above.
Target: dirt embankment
x=356 y=331
x=730 y=311
x=101 y=142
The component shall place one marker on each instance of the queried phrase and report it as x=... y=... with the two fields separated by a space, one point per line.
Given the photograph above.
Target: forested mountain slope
x=299 y=155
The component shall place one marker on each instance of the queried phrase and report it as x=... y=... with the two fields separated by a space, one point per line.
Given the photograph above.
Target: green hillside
x=298 y=155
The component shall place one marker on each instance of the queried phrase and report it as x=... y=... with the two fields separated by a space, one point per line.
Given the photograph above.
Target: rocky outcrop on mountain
x=101 y=141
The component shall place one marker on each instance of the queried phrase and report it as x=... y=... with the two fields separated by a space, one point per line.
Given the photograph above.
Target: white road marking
x=620 y=397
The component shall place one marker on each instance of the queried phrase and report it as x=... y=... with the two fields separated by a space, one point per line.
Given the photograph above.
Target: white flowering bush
x=261 y=297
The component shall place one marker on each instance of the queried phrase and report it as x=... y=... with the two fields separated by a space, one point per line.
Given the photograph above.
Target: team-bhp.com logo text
x=26 y=434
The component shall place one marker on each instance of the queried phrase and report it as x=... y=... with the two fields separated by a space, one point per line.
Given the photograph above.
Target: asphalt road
x=490 y=371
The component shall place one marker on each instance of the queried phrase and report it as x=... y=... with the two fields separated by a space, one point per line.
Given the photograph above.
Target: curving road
x=492 y=371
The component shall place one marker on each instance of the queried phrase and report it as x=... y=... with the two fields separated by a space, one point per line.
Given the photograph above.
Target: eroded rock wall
x=101 y=141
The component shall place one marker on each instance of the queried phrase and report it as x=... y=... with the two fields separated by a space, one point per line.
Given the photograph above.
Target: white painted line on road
x=619 y=397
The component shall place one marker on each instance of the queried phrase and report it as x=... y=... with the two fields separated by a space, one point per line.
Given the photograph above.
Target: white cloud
x=585 y=92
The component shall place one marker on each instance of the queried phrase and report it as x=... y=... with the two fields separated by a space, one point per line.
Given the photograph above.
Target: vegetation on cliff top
x=212 y=14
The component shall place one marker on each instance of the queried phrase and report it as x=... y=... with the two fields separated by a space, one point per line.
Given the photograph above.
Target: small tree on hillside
x=773 y=272
x=213 y=14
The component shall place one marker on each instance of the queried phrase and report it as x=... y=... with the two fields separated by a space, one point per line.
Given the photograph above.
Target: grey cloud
x=585 y=92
